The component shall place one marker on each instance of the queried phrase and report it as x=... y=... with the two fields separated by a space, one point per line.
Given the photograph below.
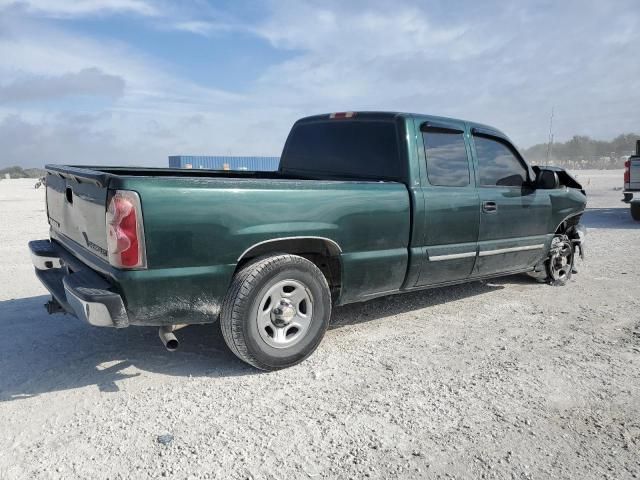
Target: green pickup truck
x=363 y=205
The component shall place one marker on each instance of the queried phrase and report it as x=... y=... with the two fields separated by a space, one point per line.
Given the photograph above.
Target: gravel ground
x=500 y=379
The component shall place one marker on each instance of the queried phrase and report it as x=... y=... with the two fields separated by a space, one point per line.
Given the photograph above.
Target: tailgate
x=76 y=209
x=634 y=174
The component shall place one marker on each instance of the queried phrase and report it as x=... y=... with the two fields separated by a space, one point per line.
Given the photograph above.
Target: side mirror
x=547 y=180
x=511 y=181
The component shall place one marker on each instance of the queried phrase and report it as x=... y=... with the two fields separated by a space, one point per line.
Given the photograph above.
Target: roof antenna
x=550 y=144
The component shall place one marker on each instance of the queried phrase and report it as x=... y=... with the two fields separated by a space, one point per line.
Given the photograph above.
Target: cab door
x=451 y=203
x=513 y=215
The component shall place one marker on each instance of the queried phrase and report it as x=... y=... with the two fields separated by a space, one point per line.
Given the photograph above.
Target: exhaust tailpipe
x=168 y=338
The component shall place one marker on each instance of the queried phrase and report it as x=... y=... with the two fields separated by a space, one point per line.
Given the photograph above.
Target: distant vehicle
x=363 y=205
x=41 y=181
x=632 y=183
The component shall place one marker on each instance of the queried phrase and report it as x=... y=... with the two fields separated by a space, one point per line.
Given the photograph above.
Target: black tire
x=635 y=211
x=238 y=318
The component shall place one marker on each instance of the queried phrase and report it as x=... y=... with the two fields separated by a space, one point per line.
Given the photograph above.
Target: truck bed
x=198 y=224
x=102 y=174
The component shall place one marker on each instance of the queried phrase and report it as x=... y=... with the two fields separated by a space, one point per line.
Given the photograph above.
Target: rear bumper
x=629 y=194
x=79 y=290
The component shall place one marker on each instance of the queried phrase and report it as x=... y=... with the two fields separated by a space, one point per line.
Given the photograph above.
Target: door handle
x=489 y=207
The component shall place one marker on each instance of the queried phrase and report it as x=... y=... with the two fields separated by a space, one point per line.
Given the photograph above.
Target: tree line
x=19 y=172
x=585 y=152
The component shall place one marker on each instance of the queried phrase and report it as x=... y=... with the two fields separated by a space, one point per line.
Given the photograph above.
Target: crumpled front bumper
x=76 y=288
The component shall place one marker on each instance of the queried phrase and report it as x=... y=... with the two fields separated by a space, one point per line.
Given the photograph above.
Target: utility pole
x=550 y=144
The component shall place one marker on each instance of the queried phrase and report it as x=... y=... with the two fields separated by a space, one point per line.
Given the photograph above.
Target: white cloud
x=78 y=8
x=395 y=30
x=147 y=109
x=502 y=64
x=28 y=49
x=200 y=27
x=88 y=81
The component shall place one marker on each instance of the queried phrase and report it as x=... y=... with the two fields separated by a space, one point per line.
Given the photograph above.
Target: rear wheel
x=276 y=311
x=635 y=211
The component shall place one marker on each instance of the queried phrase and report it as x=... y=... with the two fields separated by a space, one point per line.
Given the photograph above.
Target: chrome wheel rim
x=561 y=261
x=284 y=313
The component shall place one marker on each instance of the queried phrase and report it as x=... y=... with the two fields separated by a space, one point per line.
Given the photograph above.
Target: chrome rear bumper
x=79 y=290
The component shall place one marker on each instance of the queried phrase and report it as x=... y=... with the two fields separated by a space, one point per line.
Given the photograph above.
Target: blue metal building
x=218 y=162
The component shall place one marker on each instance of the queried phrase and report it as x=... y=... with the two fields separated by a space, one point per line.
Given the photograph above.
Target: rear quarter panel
x=196 y=229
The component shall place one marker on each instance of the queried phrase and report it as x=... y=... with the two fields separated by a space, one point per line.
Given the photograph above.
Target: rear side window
x=447 y=161
x=343 y=148
x=497 y=164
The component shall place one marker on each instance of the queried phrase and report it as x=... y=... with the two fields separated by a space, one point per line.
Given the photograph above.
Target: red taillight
x=125 y=233
x=627 y=171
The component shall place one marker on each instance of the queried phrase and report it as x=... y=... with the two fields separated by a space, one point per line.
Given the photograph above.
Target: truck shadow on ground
x=40 y=353
x=617 y=218
x=43 y=353
x=355 y=313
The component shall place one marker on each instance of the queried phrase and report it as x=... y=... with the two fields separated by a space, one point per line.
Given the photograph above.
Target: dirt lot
x=500 y=379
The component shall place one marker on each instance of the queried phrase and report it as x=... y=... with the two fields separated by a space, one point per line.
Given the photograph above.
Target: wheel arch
x=322 y=251
x=568 y=223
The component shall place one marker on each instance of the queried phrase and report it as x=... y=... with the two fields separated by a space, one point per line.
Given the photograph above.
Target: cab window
x=497 y=164
x=447 y=161
x=358 y=149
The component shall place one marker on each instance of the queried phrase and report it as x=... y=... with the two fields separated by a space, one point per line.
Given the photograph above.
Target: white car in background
x=632 y=183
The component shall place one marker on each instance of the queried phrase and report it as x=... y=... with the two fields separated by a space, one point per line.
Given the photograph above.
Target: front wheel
x=276 y=311
x=635 y=211
x=559 y=264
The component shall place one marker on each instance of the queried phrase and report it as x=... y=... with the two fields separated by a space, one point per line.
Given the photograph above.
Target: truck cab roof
x=364 y=145
x=388 y=115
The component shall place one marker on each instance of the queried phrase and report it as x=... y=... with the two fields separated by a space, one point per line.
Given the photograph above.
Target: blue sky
x=133 y=81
